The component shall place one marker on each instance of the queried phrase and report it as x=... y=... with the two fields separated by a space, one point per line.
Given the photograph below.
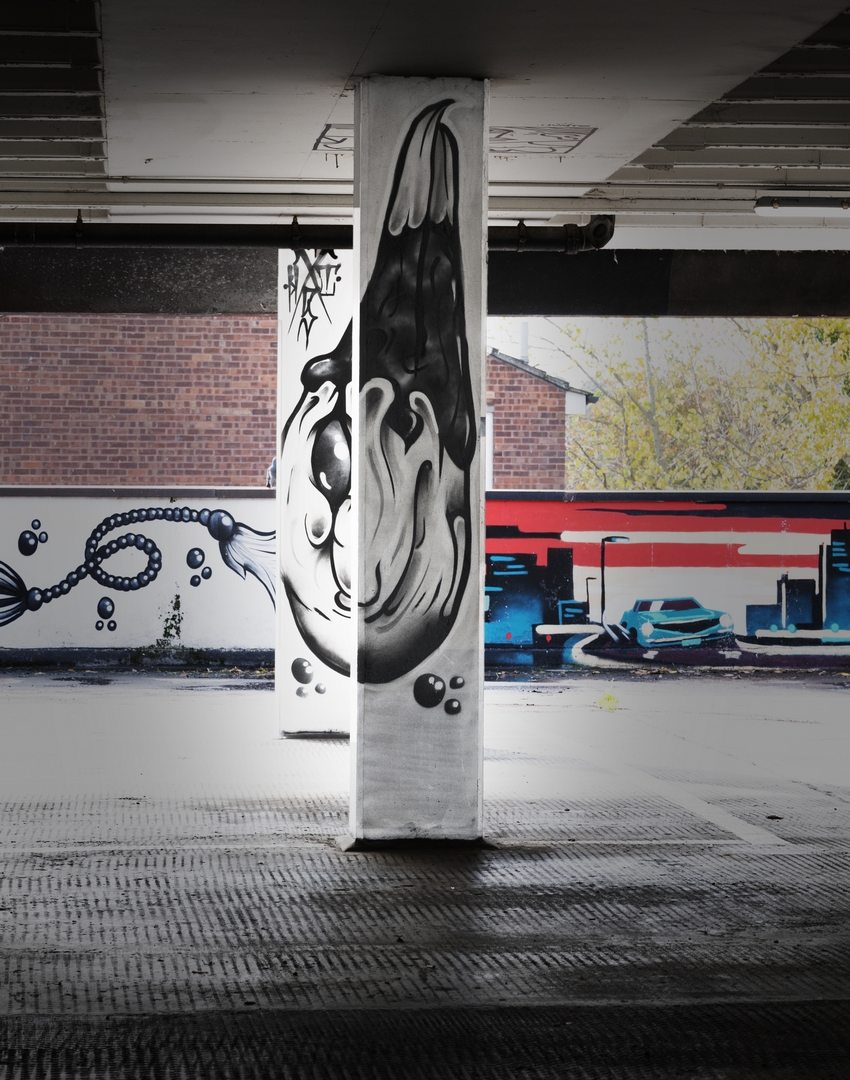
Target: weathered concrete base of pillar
x=349 y=843
x=418 y=366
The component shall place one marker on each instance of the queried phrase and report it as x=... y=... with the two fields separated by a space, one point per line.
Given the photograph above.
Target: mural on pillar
x=314 y=484
x=417 y=416
x=243 y=550
x=419 y=432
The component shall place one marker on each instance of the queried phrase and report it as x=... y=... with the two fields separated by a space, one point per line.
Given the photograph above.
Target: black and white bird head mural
x=417 y=424
x=417 y=411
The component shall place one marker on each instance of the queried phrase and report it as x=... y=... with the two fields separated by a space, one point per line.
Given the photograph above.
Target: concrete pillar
x=420 y=231
x=315 y=639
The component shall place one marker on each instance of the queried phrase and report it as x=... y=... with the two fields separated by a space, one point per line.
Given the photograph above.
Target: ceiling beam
x=678 y=283
x=603 y=283
x=277 y=209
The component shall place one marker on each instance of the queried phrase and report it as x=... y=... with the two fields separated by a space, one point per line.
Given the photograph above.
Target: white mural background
x=222 y=610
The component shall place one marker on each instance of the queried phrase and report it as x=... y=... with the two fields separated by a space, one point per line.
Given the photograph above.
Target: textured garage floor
x=663 y=892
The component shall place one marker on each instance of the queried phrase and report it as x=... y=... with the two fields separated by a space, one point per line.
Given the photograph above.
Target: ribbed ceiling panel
x=789 y=123
x=51 y=90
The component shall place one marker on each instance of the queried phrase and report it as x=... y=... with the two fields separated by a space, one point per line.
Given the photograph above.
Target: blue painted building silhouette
x=520 y=595
x=804 y=604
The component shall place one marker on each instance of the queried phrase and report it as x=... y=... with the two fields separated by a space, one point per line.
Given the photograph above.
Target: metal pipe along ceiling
x=569 y=239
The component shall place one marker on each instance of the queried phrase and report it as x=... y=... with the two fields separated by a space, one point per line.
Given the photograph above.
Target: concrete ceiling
x=178 y=110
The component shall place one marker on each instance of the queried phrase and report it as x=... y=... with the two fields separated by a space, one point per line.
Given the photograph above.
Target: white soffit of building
x=217 y=89
x=765 y=166
x=219 y=111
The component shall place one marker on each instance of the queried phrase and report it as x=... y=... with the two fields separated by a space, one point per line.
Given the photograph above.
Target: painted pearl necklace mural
x=243 y=550
x=28 y=541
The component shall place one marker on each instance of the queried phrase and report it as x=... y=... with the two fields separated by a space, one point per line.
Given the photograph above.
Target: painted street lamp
x=587 y=582
x=607 y=540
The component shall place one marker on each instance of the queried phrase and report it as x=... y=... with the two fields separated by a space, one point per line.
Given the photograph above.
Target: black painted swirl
x=314 y=479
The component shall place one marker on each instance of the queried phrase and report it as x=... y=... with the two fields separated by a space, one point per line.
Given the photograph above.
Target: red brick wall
x=190 y=400
x=528 y=429
x=137 y=399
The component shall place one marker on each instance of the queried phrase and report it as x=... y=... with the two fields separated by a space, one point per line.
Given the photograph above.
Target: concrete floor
x=663 y=893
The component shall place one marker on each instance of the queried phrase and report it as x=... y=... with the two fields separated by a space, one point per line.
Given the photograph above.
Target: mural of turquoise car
x=675 y=620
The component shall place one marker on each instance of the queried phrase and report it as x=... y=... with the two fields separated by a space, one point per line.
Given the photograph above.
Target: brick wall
x=137 y=399
x=190 y=400
x=528 y=429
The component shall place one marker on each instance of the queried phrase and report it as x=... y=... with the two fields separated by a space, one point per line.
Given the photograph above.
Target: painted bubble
x=302 y=691
x=42 y=538
x=206 y=573
x=457 y=682
x=194 y=580
x=320 y=688
x=105 y=607
x=112 y=625
x=452 y=706
x=35 y=523
x=27 y=542
x=429 y=690
x=221 y=525
x=98 y=625
x=302 y=670
x=195 y=558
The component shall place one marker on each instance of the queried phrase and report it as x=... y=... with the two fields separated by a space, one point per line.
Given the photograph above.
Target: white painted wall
x=223 y=612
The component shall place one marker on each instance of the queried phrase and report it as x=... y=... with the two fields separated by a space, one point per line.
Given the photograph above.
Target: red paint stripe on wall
x=564 y=517
x=709 y=555
x=643 y=555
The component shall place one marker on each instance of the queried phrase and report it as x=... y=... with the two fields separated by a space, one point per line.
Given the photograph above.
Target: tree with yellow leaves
x=677 y=412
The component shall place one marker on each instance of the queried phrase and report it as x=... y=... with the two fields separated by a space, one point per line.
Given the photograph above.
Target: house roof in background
x=538 y=373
